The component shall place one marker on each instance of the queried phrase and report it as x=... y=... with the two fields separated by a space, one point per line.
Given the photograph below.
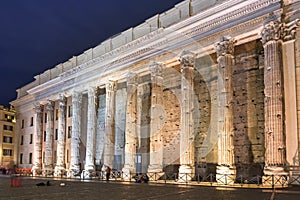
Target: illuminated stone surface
x=231 y=110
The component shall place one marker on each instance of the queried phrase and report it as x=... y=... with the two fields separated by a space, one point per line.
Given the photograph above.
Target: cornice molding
x=231 y=18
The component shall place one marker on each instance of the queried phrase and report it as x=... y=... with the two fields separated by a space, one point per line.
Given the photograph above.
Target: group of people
x=141 y=178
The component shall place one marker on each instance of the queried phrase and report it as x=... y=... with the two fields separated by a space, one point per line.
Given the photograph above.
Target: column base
x=36 y=171
x=294 y=175
x=127 y=172
x=47 y=172
x=59 y=171
x=88 y=174
x=155 y=172
x=186 y=173
x=225 y=175
x=74 y=173
x=274 y=176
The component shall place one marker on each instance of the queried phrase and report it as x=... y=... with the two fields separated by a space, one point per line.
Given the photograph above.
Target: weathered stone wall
x=143 y=122
x=100 y=133
x=55 y=132
x=83 y=132
x=120 y=121
x=206 y=136
x=68 y=140
x=172 y=109
x=248 y=110
x=297 y=57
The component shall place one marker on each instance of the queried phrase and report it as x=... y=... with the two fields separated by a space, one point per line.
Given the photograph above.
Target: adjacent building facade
x=8 y=146
x=206 y=87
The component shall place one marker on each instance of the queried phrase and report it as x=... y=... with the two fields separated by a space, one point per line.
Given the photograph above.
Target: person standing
x=108 y=171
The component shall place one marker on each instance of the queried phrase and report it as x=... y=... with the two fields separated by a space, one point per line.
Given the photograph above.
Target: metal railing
x=187 y=178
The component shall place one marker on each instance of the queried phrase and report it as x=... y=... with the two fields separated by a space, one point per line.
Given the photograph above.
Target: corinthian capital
x=50 y=105
x=225 y=46
x=38 y=107
x=187 y=59
x=272 y=31
x=110 y=86
x=62 y=101
x=289 y=30
x=77 y=97
x=156 y=69
x=132 y=78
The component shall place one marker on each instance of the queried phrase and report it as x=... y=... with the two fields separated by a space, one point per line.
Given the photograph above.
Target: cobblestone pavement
x=90 y=190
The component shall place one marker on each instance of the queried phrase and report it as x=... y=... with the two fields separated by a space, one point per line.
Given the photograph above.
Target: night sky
x=36 y=35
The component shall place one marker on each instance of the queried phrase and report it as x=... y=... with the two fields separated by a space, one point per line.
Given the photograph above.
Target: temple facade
x=209 y=86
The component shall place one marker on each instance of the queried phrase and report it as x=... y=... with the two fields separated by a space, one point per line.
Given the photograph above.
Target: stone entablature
x=215 y=19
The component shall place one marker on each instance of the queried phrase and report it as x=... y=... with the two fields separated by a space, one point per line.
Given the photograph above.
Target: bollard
x=18 y=182
x=15 y=182
x=11 y=184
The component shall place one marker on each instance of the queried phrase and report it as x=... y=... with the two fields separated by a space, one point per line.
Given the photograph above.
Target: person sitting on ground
x=145 y=178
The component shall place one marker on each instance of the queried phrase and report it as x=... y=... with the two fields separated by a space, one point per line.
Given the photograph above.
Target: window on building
x=22 y=139
x=22 y=123
x=7 y=139
x=7 y=152
x=45 y=120
x=9 y=118
x=69 y=131
x=31 y=121
x=67 y=155
x=7 y=128
x=21 y=158
x=70 y=111
x=44 y=136
x=56 y=134
x=31 y=137
x=56 y=114
x=30 y=158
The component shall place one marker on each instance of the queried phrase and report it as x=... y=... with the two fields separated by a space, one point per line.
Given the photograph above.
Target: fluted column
x=275 y=155
x=290 y=98
x=48 y=165
x=89 y=168
x=130 y=131
x=38 y=140
x=61 y=140
x=226 y=171
x=109 y=146
x=157 y=119
x=76 y=131
x=187 y=160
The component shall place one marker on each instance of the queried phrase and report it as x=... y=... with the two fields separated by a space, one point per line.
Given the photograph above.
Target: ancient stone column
x=187 y=160
x=89 y=168
x=61 y=140
x=100 y=133
x=226 y=171
x=130 y=130
x=38 y=140
x=48 y=164
x=290 y=98
x=275 y=157
x=109 y=146
x=76 y=131
x=157 y=121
